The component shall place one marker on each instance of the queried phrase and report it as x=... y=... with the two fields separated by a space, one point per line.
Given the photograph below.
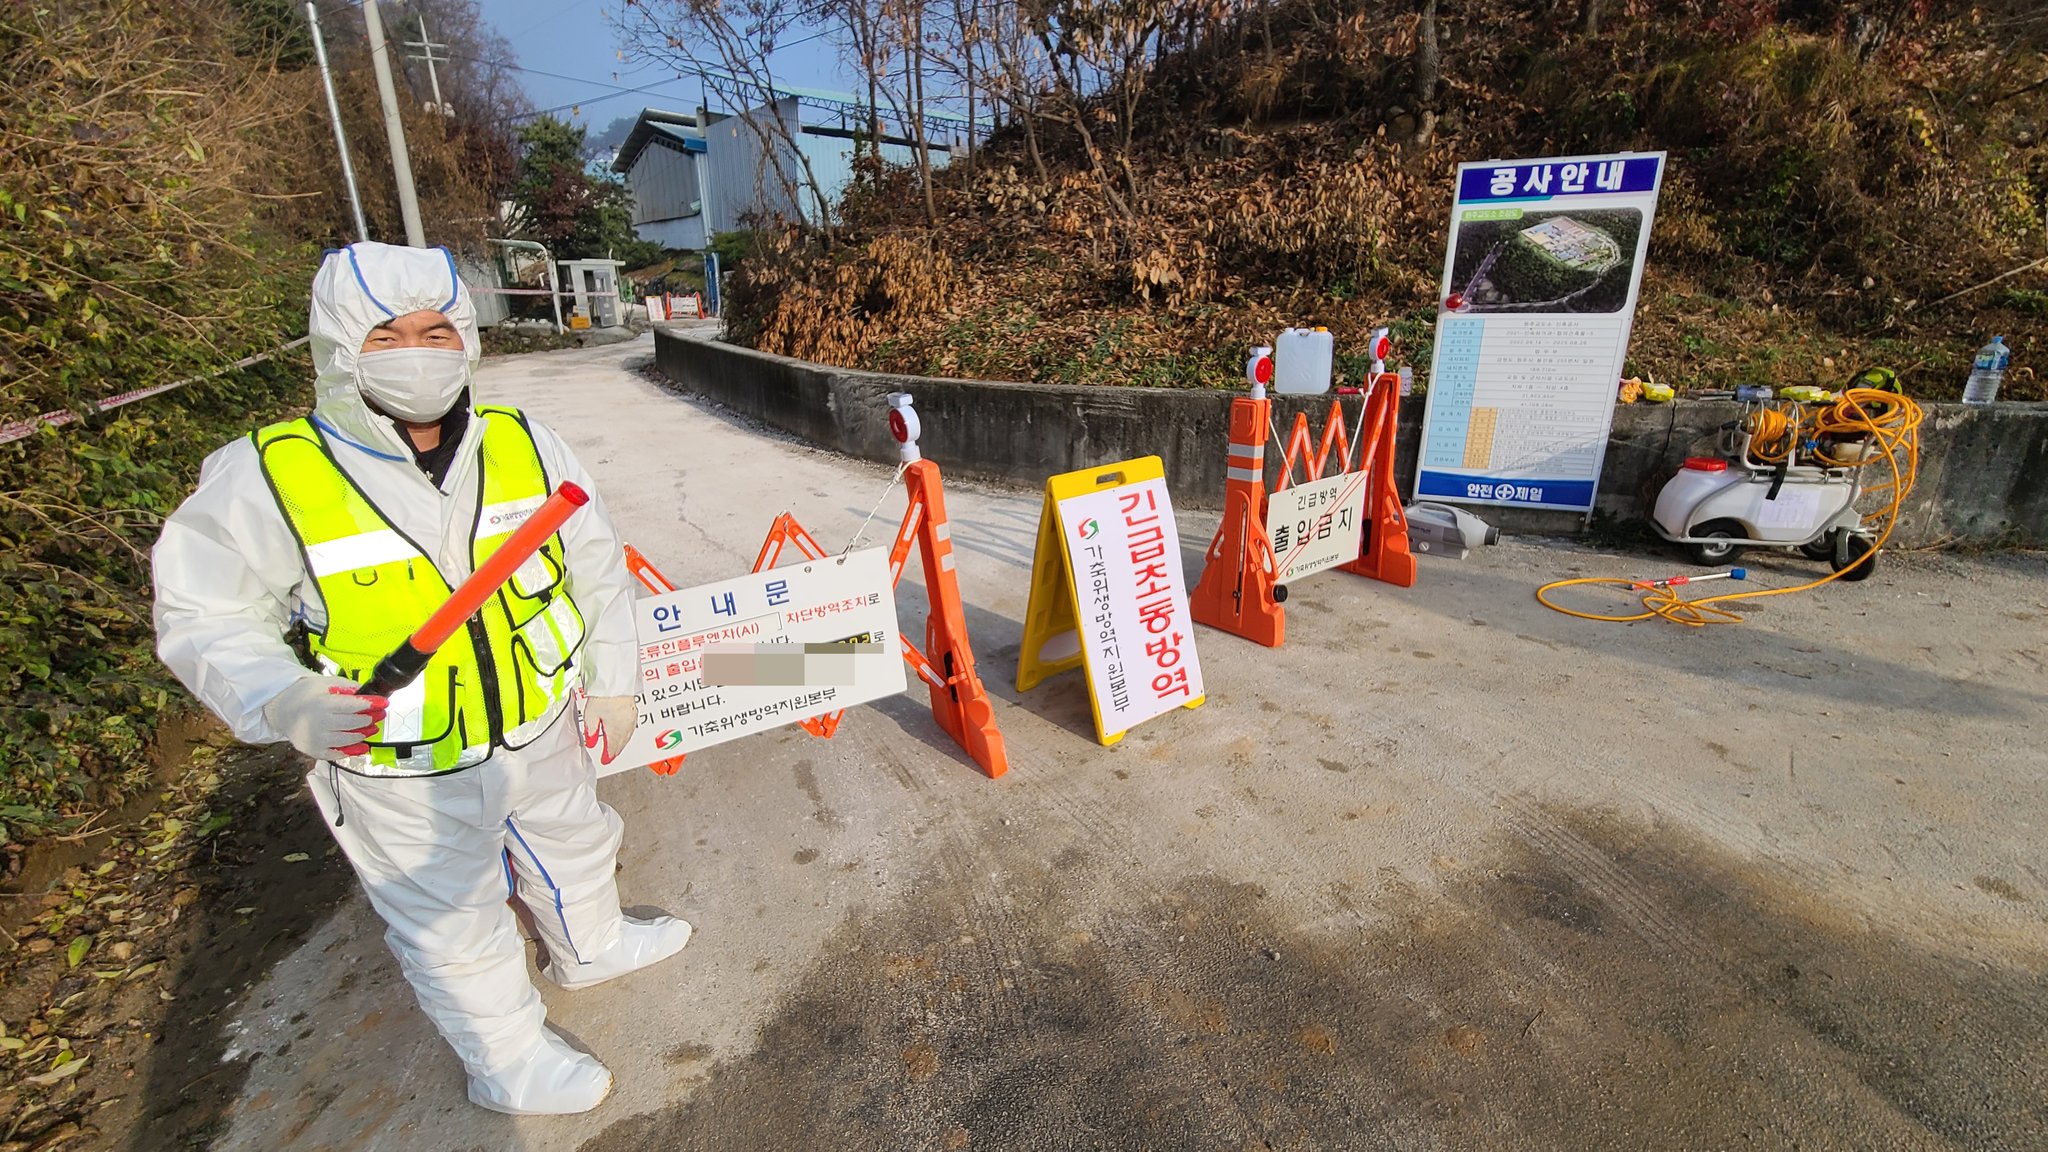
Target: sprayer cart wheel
x=1822 y=549
x=1717 y=544
x=1850 y=547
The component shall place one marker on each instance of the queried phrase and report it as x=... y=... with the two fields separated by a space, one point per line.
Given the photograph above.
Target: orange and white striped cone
x=1237 y=592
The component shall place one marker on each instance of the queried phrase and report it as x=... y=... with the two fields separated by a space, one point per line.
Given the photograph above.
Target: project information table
x=1539 y=293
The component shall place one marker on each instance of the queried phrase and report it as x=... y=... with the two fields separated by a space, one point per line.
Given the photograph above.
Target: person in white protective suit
x=352 y=525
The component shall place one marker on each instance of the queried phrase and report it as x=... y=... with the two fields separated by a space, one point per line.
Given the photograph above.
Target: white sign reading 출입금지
x=1131 y=603
x=844 y=601
x=1539 y=294
x=1317 y=525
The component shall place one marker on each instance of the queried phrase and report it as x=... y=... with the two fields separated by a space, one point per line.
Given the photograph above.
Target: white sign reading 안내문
x=817 y=637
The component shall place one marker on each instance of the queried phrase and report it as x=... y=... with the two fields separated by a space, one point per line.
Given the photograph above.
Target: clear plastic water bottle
x=1987 y=373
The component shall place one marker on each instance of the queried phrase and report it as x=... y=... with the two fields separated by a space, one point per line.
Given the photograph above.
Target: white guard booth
x=594 y=284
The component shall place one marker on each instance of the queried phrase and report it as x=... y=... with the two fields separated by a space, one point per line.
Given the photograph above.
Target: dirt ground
x=176 y=911
x=1447 y=871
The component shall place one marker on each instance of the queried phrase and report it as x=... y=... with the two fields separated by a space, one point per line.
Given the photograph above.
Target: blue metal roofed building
x=661 y=160
x=693 y=176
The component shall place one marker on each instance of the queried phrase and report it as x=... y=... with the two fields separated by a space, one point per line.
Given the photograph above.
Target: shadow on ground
x=1600 y=985
x=266 y=881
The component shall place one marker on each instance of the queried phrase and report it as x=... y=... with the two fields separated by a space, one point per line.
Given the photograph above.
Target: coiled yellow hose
x=1773 y=433
x=1889 y=421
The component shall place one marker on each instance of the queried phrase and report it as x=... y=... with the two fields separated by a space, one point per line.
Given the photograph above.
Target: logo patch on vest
x=511 y=514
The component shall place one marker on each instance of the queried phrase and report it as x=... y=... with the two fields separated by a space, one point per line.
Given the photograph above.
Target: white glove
x=610 y=719
x=323 y=716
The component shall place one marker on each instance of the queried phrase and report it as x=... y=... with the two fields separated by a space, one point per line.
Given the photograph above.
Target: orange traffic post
x=1237 y=592
x=1383 y=553
x=960 y=701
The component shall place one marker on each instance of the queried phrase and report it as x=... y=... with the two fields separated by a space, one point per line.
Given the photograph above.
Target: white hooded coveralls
x=430 y=851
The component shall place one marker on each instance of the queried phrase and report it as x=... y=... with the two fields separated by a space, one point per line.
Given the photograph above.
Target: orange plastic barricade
x=1238 y=591
x=1383 y=554
x=960 y=702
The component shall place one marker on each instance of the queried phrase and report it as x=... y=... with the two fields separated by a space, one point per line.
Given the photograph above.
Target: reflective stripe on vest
x=498 y=683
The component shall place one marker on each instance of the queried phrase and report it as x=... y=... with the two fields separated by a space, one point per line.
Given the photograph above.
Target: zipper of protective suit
x=487 y=676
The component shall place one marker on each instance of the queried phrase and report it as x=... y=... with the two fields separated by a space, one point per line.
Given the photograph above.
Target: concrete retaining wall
x=1984 y=472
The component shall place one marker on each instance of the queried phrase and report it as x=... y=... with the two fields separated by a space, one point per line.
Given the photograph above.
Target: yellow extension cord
x=1890 y=421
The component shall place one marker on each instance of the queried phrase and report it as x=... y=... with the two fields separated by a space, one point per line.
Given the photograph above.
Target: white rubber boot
x=552 y=1079
x=640 y=943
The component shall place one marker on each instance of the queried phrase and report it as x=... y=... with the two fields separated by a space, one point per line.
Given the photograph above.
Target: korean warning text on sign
x=845 y=602
x=1131 y=602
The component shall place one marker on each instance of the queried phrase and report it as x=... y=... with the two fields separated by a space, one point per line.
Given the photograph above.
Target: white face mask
x=415 y=384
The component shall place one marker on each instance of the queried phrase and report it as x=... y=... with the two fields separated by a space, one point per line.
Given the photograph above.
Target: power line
x=597 y=99
x=612 y=91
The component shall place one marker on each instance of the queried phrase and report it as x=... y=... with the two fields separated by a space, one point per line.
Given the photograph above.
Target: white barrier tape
x=22 y=429
x=537 y=292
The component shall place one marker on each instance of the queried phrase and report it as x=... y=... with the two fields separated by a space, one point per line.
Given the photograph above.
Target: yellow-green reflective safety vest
x=500 y=682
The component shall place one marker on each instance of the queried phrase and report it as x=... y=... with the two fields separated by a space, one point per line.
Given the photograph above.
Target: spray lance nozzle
x=1675 y=581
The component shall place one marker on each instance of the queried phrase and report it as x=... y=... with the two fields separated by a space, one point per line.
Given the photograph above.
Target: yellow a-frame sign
x=1107 y=543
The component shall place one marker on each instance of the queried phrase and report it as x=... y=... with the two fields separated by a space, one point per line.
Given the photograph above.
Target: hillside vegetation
x=1849 y=184
x=167 y=180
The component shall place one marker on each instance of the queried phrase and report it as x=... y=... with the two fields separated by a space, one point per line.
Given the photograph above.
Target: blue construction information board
x=1539 y=291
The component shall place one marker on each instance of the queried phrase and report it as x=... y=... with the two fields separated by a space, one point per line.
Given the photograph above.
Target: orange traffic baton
x=409 y=659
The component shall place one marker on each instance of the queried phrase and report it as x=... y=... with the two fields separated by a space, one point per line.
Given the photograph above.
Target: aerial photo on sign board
x=1573 y=261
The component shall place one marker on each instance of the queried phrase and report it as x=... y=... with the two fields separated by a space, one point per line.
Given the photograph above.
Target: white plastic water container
x=1303 y=359
x=1682 y=495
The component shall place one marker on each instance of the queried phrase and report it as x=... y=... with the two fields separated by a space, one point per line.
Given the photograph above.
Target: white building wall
x=684 y=235
x=831 y=160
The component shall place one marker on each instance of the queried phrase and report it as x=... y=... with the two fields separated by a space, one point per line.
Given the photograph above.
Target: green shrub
x=136 y=255
x=81 y=690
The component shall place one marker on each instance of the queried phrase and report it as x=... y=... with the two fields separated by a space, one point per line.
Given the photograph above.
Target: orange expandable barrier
x=1238 y=591
x=960 y=702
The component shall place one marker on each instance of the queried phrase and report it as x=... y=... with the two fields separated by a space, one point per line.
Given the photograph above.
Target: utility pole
x=394 y=129
x=348 y=170
x=427 y=49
